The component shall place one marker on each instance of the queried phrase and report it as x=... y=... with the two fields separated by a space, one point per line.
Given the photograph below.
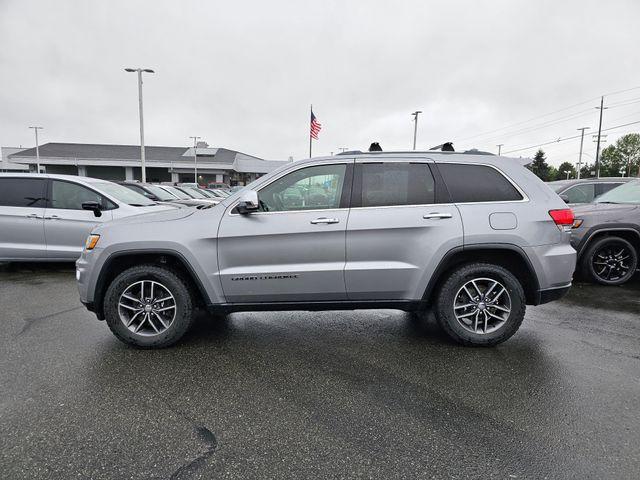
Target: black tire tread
x=184 y=324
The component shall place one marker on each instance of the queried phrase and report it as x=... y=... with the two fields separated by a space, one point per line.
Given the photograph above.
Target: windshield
x=178 y=193
x=627 y=193
x=123 y=194
x=193 y=192
x=161 y=194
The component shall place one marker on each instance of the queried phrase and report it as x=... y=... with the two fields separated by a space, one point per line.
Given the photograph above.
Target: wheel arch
x=629 y=233
x=508 y=256
x=120 y=261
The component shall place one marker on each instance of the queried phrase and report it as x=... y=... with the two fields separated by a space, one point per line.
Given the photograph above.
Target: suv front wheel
x=480 y=304
x=148 y=306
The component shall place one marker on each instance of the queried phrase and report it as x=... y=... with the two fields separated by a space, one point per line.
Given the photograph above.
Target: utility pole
x=415 y=126
x=582 y=129
x=500 y=145
x=142 y=159
x=35 y=129
x=601 y=108
x=195 y=158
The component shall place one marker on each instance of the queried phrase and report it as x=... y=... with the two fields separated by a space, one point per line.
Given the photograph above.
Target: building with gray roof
x=163 y=164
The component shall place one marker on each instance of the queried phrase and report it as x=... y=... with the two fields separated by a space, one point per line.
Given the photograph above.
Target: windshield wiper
x=141 y=205
x=614 y=203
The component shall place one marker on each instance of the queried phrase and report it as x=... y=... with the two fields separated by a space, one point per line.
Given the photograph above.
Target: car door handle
x=325 y=220
x=52 y=217
x=433 y=215
x=34 y=215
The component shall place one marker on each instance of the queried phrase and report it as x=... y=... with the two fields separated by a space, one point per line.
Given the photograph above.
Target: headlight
x=92 y=241
x=577 y=223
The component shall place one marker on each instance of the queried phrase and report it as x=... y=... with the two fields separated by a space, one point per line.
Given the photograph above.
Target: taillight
x=563 y=218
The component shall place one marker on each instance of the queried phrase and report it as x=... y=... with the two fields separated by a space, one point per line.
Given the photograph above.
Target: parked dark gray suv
x=477 y=237
x=606 y=235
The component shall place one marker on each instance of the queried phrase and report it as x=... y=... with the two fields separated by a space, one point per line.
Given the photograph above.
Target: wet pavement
x=368 y=394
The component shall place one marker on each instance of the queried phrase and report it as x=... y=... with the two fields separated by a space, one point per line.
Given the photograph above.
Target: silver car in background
x=48 y=217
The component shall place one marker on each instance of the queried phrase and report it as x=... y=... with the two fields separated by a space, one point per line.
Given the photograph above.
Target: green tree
x=566 y=167
x=588 y=170
x=629 y=148
x=539 y=166
x=622 y=158
x=611 y=162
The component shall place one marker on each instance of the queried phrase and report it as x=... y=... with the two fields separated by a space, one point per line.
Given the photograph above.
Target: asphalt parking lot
x=370 y=394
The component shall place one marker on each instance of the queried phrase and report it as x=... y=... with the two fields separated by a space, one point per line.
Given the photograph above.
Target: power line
x=560 y=139
x=546 y=114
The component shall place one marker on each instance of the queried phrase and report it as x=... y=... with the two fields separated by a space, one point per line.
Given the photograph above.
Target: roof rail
x=473 y=151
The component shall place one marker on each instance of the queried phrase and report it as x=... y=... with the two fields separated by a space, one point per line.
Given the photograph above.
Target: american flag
x=315 y=126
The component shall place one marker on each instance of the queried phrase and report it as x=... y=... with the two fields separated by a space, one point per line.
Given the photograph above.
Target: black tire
x=602 y=254
x=453 y=289
x=168 y=279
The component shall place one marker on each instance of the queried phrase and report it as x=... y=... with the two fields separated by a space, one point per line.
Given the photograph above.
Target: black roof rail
x=473 y=151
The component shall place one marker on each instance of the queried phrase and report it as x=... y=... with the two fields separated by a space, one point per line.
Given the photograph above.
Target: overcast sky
x=242 y=74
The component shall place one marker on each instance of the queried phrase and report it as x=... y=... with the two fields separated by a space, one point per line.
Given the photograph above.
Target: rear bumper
x=551 y=294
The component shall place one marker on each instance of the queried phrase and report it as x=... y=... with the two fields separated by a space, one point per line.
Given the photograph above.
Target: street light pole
x=142 y=159
x=195 y=158
x=582 y=129
x=35 y=129
x=601 y=108
x=415 y=126
x=499 y=148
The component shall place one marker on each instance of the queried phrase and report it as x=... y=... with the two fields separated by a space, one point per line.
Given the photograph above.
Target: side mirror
x=93 y=206
x=565 y=198
x=248 y=202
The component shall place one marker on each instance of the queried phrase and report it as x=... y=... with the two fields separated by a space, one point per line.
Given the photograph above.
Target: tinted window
x=477 y=183
x=70 y=196
x=582 y=193
x=605 y=187
x=22 y=192
x=309 y=188
x=386 y=184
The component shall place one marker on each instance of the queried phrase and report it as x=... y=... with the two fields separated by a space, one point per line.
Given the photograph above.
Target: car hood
x=148 y=217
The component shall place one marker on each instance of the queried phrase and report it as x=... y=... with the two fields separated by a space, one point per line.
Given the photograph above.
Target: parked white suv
x=48 y=217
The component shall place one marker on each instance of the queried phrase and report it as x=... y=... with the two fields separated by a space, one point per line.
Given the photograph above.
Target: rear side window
x=388 y=184
x=477 y=183
x=22 y=192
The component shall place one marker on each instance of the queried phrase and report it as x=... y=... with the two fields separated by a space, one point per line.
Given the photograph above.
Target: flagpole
x=310 y=138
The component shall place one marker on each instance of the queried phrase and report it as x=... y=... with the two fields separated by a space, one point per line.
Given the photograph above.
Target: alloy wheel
x=147 y=308
x=482 y=305
x=612 y=261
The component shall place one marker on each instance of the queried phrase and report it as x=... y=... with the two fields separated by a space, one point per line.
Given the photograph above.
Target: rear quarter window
x=477 y=183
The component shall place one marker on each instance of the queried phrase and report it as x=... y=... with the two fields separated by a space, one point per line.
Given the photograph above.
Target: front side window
x=70 y=196
x=477 y=183
x=22 y=192
x=583 y=193
x=395 y=183
x=123 y=194
x=311 y=188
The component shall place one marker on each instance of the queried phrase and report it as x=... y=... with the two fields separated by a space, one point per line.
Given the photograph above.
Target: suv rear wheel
x=480 y=304
x=148 y=306
x=610 y=261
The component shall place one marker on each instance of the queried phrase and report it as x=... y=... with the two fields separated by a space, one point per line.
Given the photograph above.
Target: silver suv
x=477 y=237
